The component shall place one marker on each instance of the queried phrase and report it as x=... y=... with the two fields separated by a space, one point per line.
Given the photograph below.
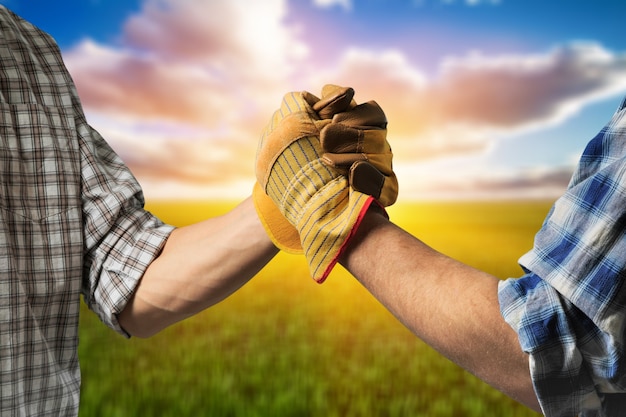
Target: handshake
x=320 y=165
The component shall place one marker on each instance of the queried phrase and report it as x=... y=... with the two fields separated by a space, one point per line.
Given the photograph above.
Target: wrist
x=374 y=219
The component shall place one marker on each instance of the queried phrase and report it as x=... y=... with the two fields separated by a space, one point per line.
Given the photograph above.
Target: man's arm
x=199 y=266
x=451 y=306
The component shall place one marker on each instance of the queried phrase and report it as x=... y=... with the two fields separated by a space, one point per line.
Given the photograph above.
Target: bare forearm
x=449 y=305
x=200 y=265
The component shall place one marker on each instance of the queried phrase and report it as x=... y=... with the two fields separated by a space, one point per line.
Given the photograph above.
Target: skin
x=200 y=265
x=451 y=306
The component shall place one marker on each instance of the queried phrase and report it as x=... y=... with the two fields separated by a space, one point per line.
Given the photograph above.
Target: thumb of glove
x=335 y=99
x=366 y=178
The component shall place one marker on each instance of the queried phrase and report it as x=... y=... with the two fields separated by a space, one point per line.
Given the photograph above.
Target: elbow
x=136 y=326
x=141 y=333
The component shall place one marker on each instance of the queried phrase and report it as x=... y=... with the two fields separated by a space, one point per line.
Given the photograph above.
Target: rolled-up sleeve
x=568 y=310
x=121 y=238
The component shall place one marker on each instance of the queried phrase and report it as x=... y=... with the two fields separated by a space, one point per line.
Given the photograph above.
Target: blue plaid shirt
x=570 y=308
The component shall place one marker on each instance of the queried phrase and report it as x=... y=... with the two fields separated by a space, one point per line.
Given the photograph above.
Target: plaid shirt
x=71 y=222
x=570 y=308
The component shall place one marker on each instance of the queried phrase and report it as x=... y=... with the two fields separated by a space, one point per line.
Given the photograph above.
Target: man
x=72 y=222
x=552 y=339
x=567 y=313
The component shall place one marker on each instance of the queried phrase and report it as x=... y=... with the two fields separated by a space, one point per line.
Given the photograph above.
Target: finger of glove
x=345 y=161
x=340 y=138
x=381 y=161
x=334 y=100
x=365 y=115
x=342 y=160
x=365 y=178
x=389 y=192
x=331 y=89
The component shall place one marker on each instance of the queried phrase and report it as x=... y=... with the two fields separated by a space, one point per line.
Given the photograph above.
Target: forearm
x=199 y=266
x=451 y=306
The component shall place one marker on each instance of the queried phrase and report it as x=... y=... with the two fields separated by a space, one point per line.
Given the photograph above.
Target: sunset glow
x=485 y=99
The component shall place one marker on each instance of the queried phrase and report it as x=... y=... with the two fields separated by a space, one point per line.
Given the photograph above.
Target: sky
x=484 y=98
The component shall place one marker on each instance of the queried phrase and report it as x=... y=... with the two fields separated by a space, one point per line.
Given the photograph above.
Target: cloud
x=460 y=178
x=186 y=92
x=479 y=2
x=190 y=60
x=476 y=98
x=238 y=36
x=189 y=81
x=521 y=90
x=123 y=82
x=420 y=3
x=345 y=4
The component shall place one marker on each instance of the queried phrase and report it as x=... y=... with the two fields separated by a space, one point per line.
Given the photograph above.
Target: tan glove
x=298 y=122
x=313 y=193
x=356 y=143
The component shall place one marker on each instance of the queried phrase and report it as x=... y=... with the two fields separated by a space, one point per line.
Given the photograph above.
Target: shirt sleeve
x=568 y=310
x=121 y=238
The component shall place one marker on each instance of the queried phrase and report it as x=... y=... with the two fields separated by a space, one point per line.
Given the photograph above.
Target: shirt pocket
x=40 y=209
x=39 y=161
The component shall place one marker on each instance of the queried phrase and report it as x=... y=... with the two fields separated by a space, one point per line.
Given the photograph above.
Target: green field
x=286 y=346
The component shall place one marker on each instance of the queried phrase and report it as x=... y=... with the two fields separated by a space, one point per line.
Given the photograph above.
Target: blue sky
x=485 y=98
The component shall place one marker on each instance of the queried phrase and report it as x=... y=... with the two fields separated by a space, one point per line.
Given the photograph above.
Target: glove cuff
x=279 y=230
x=333 y=261
x=327 y=237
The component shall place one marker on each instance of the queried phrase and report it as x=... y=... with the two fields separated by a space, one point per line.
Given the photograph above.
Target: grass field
x=286 y=346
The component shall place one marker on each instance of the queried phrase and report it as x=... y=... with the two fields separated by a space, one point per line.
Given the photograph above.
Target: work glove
x=308 y=186
x=355 y=143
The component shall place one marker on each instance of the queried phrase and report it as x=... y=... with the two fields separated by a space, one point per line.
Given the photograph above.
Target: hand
x=309 y=186
x=286 y=126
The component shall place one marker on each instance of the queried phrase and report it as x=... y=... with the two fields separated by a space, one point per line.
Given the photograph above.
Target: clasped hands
x=321 y=163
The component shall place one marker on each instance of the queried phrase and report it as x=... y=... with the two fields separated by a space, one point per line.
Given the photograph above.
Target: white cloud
x=520 y=90
x=196 y=80
x=468 y=178
x=477 y=98
x=193 y=81
x=228 y=36
x=471 y=3
x=345 y=4
x=193 y=60
x=479 y=2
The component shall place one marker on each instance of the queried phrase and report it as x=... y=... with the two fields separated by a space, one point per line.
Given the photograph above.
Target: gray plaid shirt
x=71 y=222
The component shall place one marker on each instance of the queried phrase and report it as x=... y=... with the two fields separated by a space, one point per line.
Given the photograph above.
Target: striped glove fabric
x=299 y=122
x=309 y=185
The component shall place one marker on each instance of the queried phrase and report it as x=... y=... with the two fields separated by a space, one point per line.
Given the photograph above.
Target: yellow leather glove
x=311 y=190
x=298 y=122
